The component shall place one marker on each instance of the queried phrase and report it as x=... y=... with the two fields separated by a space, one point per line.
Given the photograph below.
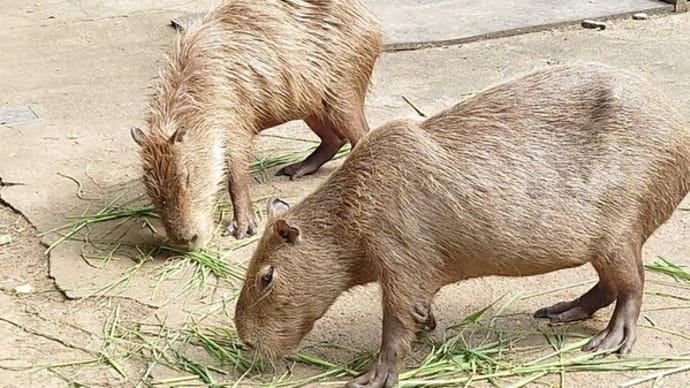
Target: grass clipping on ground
x=480 y=348
x=475 y=349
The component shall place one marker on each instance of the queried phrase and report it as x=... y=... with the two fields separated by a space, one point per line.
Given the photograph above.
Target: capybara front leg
x=400 y=323
x=396 y=339
x=244 y=220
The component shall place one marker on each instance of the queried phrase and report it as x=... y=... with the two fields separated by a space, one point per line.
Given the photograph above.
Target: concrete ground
x=409 y=24
x=83 y=68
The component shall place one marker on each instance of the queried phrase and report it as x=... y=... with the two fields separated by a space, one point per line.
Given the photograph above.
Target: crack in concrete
x=62 y=291
x=44 y=243
x=14 y=210
x=8 y=184
x=561 y=25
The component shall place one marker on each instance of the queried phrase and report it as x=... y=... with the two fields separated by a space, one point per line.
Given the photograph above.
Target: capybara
x=569 y=165
x=251 y=65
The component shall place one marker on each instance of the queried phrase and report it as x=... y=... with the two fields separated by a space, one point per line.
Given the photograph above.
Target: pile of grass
x=473 y=350
x=479 y=348
x=198 y=266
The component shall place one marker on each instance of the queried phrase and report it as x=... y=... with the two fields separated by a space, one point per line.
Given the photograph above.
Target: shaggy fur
x=247 y=66
x=565 y=166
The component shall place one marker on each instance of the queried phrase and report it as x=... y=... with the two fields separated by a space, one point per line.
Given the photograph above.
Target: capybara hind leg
x=622 y=329
x=330 y=144
x=601 y=295
x=351 y=124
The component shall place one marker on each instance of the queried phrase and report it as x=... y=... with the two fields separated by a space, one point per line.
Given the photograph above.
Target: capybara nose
x=187 y=241
x=248 y=344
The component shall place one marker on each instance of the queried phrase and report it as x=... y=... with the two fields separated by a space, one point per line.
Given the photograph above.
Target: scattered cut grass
x=666 y=267
x=198 y=266
x=475 y=349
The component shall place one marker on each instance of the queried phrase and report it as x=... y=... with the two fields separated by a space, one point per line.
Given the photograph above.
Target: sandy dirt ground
x=86 y=78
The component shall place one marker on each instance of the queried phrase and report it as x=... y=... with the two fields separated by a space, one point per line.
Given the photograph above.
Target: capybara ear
x=138 y=135
x=178 y=136
x=285 y=231
x=276 y=207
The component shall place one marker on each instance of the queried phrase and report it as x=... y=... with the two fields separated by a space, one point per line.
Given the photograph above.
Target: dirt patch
x=49 y=340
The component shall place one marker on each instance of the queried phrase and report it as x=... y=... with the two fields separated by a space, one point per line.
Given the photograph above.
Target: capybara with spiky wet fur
x=251 y=65
x=564 y=166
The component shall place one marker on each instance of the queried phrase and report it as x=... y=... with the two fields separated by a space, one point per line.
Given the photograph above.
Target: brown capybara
x=565 y=166
x=250 y=65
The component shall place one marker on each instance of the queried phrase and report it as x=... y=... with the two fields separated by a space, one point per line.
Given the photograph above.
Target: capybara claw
x=240 y=230
x=288 y=170
x=380 y=377
x=424 y=317
x=297 y=170
x=614 y=340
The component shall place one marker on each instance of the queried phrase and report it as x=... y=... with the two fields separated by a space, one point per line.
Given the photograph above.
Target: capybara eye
x=267 y=278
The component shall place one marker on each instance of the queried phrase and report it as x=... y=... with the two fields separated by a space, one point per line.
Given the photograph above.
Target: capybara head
x=290 y=283
x=182 y=183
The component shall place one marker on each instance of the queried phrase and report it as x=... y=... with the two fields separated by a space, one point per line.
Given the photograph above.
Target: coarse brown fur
x=250 y=65
x=565 y=166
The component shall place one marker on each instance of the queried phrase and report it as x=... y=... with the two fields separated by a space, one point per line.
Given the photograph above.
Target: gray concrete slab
x=22 y=13
x=409 y=24
x=16 y=115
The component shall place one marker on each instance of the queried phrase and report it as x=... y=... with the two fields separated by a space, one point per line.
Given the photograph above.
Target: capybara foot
x=323 y=153
x=424 y=317
x=298 y=170
x=610 y=338
x=622 y=330
x=242 y=226
x=381 y=376
x=564 y=312
x=601 y=295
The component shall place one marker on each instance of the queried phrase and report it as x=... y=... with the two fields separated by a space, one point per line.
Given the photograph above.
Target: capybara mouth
x=273 y=351
x=263 y=356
